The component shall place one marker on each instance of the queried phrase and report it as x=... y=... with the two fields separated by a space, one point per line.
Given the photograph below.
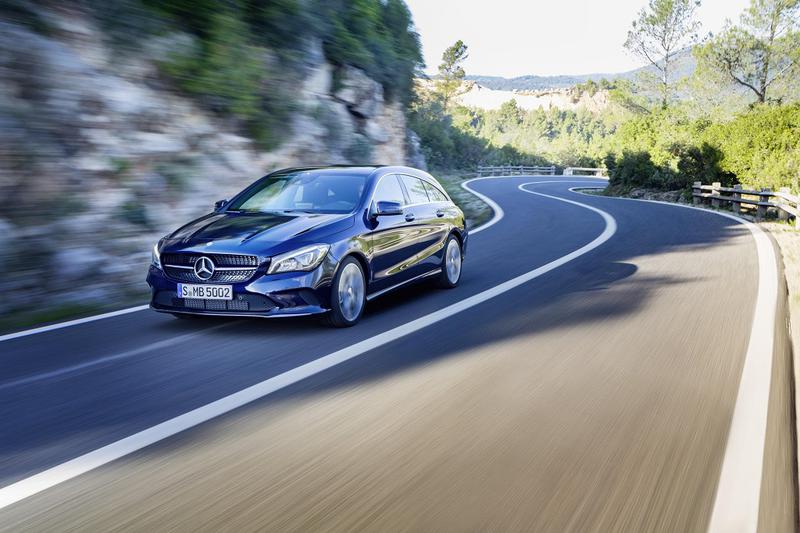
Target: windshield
x=305 y=192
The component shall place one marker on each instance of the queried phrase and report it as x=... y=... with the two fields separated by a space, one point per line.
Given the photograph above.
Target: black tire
x=447 y=279
x=344 y=314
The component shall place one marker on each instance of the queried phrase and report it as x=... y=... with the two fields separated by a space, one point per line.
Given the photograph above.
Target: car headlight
x=303 y=260
x=155 y=259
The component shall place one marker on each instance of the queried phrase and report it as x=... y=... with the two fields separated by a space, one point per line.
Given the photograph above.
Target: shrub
x=701 y=163
x=376 y=36
x=762 y=146
x=631 y=169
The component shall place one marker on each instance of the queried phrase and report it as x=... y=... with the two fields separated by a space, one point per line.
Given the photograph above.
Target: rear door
x=430 y=232
x=445 y=216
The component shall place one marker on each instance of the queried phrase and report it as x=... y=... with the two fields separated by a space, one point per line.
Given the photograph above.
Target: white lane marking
x=496 y=209
x=736 y=503
x=26 y=380
x=589 y=184
x=80 y=465
x=51 y=327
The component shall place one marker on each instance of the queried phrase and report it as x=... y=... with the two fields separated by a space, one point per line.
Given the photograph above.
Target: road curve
x=592 y=393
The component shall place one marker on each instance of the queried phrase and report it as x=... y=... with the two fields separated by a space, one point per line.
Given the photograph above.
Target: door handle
x=410 y=217
x=440 y=213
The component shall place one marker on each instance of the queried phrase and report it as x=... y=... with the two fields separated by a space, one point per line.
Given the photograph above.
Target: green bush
x=759 y=148
x=701 y=163
x=631 y=169
x=376 y=36
x=762 y=146
x=692 y=163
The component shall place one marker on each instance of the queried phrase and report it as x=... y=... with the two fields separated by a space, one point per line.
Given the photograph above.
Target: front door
x=392 y=238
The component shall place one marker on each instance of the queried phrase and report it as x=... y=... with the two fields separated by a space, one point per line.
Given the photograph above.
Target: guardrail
x=518 y=170
x=570 y=171
x=784 y=203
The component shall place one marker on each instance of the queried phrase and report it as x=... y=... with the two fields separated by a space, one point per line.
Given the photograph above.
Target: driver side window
x=389 y=190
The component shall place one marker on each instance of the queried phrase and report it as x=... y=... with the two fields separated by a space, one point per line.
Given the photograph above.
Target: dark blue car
x=304 y=241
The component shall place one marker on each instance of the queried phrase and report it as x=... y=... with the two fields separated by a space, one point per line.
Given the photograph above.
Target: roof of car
x=353 y=170
x=338 y=169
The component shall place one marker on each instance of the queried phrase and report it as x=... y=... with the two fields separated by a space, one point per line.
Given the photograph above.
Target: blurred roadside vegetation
x=243 y=58
x=656 y=131
x=230 y=66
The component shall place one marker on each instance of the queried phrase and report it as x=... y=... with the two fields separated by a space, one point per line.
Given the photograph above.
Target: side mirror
x=219 y=204
x=386 y=209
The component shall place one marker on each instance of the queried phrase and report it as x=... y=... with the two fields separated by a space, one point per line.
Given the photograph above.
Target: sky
x=544 y=37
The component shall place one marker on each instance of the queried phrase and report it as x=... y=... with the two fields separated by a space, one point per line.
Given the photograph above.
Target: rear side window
x=416 y=190
x=433 y=193
x=389 y=190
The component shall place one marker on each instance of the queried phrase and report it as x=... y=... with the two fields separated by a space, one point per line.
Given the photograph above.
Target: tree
x=626 y=94
x=662 y=30
x=510 y=115
x=762 y=50
x=451 y=73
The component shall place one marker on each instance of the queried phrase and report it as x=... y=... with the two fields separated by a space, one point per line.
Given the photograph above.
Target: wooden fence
x=741 y=200
x=519 y=170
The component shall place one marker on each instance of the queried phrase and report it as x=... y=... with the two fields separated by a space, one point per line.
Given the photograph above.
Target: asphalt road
x=597 y=395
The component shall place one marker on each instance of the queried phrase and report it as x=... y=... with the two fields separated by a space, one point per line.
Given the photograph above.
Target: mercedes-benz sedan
x=304 y=241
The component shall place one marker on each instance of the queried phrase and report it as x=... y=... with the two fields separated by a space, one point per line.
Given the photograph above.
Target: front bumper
x=265 y=295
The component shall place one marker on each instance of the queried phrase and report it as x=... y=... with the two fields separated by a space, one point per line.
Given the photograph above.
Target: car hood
x=250 y=233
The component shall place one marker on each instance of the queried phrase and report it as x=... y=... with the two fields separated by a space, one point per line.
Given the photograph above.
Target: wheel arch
x=457 y=233
x=363 y=261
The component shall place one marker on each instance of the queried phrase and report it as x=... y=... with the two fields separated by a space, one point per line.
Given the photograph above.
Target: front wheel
x=348 y=295
x=451 y=264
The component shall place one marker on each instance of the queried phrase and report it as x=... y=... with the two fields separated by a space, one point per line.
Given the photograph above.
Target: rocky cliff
x=101 y=157
x=563 y=98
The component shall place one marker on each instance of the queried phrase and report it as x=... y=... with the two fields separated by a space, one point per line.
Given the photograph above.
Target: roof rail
x=318 y=167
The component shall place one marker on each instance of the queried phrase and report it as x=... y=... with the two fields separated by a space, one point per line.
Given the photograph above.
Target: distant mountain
x=684 y=66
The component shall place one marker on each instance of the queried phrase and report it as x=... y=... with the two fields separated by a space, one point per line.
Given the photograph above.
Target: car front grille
x=220 y=260
x=216 y=305
x=228 y=268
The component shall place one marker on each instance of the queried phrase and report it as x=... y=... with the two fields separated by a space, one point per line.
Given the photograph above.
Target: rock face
x=102 y=158
x=363 y=95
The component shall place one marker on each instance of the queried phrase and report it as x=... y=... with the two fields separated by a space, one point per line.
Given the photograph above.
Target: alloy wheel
x=351 y=291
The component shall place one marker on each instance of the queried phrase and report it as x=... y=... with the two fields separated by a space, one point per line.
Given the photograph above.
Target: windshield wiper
x=269 y=211
x=250 y=211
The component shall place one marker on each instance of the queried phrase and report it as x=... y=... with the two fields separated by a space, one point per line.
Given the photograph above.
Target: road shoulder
x=782 y=447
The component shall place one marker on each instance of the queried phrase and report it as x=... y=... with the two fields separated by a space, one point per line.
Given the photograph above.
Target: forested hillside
x=723 y=108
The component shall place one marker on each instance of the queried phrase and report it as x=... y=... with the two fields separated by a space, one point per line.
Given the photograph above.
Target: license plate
x=205 y=292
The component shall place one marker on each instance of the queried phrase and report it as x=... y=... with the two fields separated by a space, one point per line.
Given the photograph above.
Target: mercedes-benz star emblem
x=204 y=268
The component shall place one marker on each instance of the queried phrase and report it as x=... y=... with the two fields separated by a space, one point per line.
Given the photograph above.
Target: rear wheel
x=348 y=295
x=451 y=264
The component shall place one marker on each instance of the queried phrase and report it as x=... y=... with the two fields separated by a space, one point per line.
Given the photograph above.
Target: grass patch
x=18 y=320
x=21 y=319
